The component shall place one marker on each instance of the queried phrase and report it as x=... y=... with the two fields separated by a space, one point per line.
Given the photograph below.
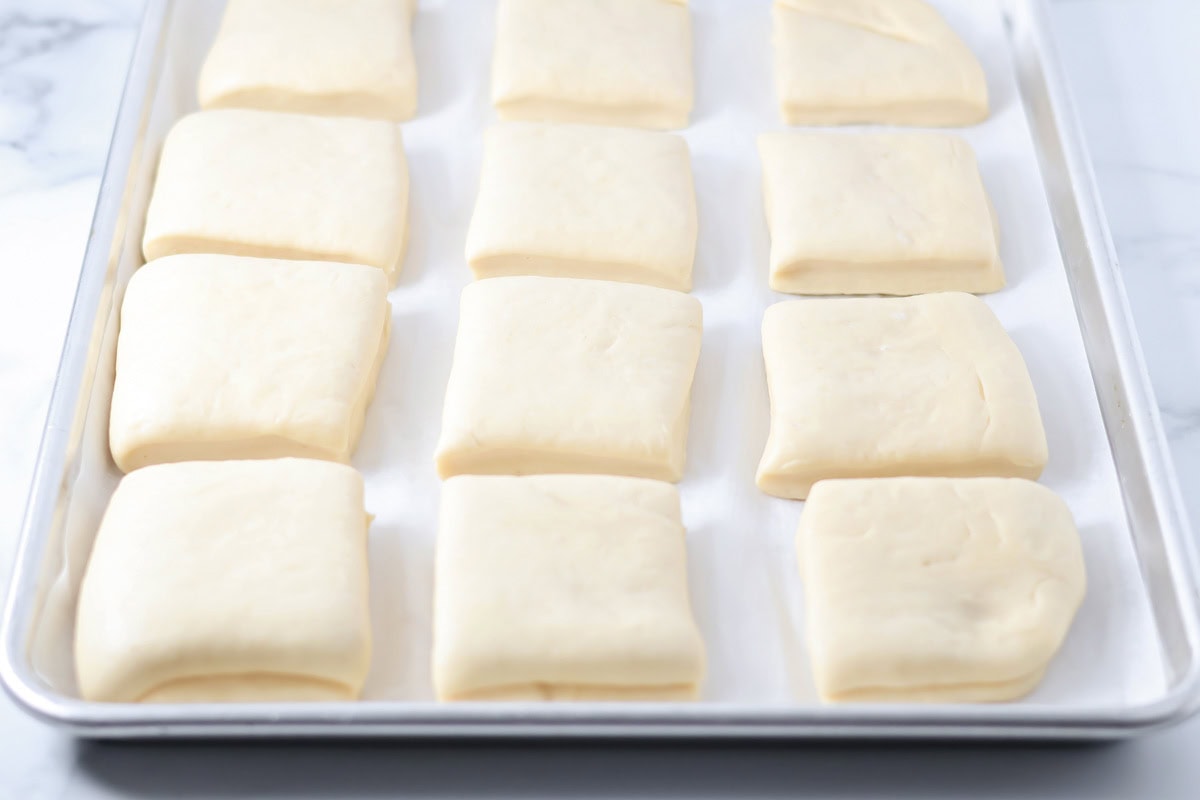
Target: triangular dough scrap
x=881 y=61
x=907 y=20
x=936 y=589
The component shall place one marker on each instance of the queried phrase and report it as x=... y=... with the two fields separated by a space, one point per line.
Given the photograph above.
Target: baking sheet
x=745 y=586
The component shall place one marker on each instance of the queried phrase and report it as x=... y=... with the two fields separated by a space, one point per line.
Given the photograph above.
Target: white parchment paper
x=745 y=586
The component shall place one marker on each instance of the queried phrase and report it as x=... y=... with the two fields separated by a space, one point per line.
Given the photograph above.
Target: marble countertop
x=1132 y=67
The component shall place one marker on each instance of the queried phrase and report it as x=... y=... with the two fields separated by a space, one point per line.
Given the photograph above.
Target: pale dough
x=584 y=201
x=228 y=581
x=877 y=213
x=350 y=58
x=232 y=357
x=563 y=587
x=259 y=183
x=879 y=387
x=936 y=589
x=885 y=61
x=608 y=62
x=568 y=375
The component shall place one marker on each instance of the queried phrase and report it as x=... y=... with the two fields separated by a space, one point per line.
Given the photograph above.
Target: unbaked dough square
x=220 y=581
x=351 y=58
x=608 y=62
x=561 y=375
x=936 y=589
x=881 y=387
x=563 y=587
x=224 y=357
x=583 y=201
x=886 y=61
x=877 y=213
x=259 y=183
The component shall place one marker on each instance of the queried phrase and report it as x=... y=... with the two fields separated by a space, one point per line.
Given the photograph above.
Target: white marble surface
x=1132 y=65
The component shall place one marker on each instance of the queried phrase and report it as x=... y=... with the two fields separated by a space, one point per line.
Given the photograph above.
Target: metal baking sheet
x=1130 y=661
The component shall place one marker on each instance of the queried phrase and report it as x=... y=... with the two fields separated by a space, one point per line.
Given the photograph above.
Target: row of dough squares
x=611 y=62
x=560 y=587
x=852 y=213
x=555 y=587
x=561 y=375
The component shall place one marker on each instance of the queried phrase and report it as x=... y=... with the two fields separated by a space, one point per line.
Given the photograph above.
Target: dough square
x=351 y=58
x=224 y=357
x=560 y=375
x=608 y=62
x=877 y=213
x=874 y=61
x=882 y=387
x=221 y=581
x=260 y=183
x=563 y=587
x=936 y=589
x=583 y=201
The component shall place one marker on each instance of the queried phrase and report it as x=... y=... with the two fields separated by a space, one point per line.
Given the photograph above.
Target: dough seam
x=335 y=687
x=504 y=264
x=182 y=244
x=575 y=112
x=547 y=692
x=906 y=37
x=499 y=460
x=823 y=277
x=366 y=392
x=341 y=104
x=982 y=692
x=919 y=114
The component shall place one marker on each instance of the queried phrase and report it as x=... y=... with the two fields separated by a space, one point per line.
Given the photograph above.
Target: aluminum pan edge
x=1065 y=161
x=53 y=465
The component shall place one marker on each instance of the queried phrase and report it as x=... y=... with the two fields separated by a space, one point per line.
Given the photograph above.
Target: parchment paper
x=745 y=587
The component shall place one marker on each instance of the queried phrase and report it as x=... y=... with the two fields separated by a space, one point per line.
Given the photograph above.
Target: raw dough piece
x=583 y=201
x=567 y=375
x=350 y=58
x=563 y=587
x=898 y=213
x=258 y=183
x=936 y=589
x=887 y=61
x=228 y=581
x=608 y=62
x=874 y=387
x=234 y=357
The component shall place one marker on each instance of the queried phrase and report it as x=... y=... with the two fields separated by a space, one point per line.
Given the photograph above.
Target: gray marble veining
x=58 y=88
